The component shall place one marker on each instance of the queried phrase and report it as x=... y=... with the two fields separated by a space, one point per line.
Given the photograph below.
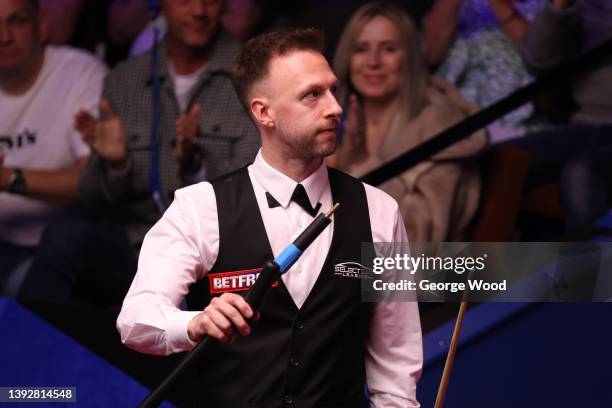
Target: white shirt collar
x=282 y=186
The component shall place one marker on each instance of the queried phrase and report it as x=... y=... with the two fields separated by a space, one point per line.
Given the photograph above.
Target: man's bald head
x=21 y=41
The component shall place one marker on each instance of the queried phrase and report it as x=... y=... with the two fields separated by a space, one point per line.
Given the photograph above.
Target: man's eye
x=313 y=94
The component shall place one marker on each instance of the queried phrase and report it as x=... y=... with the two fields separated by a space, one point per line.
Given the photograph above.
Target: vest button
x=299 y=325
x=293 y=362
x=288 y=400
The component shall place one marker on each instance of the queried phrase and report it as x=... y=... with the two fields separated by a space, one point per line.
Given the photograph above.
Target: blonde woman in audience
x=392 y=105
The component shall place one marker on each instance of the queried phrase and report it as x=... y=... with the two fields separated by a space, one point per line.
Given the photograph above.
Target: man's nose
x=334 y=109
x=373 y=58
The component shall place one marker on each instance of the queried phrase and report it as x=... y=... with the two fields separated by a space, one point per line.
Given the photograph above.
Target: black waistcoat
x=308 y=357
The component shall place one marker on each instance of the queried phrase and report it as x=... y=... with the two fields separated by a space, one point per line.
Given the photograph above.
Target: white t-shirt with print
x=37 y=133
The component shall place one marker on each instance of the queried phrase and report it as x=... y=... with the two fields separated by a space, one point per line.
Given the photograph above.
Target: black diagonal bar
x=486 y=116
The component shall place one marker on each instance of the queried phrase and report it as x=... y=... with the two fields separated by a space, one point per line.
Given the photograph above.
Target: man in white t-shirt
x=41 y=154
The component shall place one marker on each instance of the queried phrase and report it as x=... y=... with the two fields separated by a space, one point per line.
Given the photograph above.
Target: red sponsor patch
x=236 y=281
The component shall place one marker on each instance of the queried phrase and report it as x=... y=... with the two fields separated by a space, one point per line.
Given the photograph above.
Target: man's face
x=20 y=34
x=300 y=89
x=193 y=23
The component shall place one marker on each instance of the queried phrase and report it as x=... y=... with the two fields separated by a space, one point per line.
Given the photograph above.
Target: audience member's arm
x=353 y=149
x=552 y=37
x=512 y=22
x=53 y=186
x=106 y=177
x=187 y=151
x=126 y=19
x=62 y=19
x=439 y=29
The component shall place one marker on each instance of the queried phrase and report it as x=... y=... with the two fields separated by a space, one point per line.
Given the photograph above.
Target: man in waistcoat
x=315 y=343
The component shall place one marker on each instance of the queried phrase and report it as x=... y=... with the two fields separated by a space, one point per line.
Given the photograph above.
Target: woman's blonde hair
x=414 y=74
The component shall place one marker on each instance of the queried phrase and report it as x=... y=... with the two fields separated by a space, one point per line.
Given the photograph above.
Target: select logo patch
x=236 y=281
x=351 y=269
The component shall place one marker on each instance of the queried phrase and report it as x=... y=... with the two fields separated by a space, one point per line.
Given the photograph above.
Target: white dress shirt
x=183 y=246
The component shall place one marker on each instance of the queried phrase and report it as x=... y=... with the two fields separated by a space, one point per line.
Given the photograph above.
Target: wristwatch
x=17 y=183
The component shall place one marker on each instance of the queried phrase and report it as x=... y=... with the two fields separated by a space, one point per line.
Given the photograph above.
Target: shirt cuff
x=392 y=401
x=176 y=331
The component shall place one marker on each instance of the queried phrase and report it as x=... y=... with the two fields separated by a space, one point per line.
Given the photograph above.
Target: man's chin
x=12 y=70
x=327 y=149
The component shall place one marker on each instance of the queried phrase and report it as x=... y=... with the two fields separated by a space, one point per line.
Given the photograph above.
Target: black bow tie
x=300 y=197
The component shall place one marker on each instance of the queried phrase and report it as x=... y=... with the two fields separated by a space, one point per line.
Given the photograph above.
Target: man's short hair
x=253 y=61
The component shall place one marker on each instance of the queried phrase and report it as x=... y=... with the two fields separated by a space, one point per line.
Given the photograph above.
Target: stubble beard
x=308 y=146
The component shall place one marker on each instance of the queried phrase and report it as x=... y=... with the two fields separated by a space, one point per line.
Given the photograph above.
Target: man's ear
x=260 y=111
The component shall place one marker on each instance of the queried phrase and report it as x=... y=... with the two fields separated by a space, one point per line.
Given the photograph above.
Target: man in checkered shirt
x=202 y=132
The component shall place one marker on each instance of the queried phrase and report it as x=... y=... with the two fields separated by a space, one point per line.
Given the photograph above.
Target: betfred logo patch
x=236 y=281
